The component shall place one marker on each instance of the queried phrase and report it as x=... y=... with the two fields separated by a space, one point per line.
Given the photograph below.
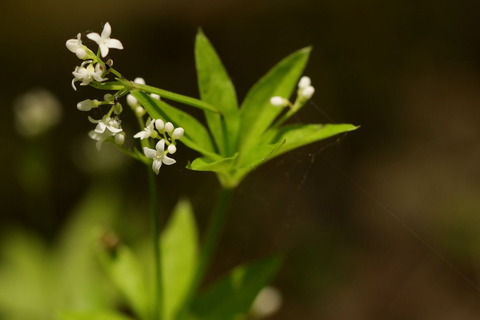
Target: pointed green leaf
x=92 y=315
x=259 y=154
x=196 y=136
x=233 y=295
x=257 y=113
x=217 y=89
x=206 y=164
x=298 y=135
x=126 y=273
x=180 y=250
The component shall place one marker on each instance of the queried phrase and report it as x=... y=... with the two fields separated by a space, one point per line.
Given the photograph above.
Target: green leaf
x=179 y=245
x=126 y=273
x=260 y=154
x=257 y=113
x=298 y=135
x=206 y=164
x=217 y=89
x=92 y=315
x=196 y=135
x=232 y=296
x=175 y=97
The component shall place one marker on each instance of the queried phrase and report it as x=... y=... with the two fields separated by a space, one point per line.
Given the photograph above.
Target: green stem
x=214 y=231
x=155 y=217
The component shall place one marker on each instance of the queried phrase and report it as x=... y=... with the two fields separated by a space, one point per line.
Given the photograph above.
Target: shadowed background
x=351 y=214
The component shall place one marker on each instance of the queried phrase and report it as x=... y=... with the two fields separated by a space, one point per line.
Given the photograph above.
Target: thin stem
x=214 y=231
x=155 y=217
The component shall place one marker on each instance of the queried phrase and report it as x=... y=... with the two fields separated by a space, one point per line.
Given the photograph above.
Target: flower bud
x=178 y=133
x=81 y=53
x=139 y=80
x=139 y=111
x=304 y=82
x=132 y=101
x=278 y=101
x=109 y=97
x=308 y=92
x=117 y=108
x=120 y=138
x=160 y=125
x=87 y=105
x=172 y=149
x=155 y=96
x=169 y=127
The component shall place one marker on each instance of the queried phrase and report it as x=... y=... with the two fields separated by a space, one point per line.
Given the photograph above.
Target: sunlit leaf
x=233 y=295
x=92 y=315
x=179 y=245
x=206 y=164
x=217 y=89
x=256 y=111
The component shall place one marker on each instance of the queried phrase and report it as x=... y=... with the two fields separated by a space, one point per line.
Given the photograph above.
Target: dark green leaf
x=232 y=296
x=217 y=89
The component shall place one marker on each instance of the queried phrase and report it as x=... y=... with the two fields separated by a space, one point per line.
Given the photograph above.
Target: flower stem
x=155 y=217
x=214 y=230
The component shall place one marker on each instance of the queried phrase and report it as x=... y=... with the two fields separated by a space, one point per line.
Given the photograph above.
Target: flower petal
x=95 y=37
x=168 y=161
x=115 y=44
x=150 y=153
x=107 y=31
x=160 y=146
x=104 y=50
x=156 y=165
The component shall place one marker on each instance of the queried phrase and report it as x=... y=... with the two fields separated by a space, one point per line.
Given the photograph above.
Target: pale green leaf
x=257 y=113
x=92 y=315
x=232 y=296
x=206 y=164
x=127 y=275
x=196 y=135
x=259 y=154
x=217 y=89
x=297 y=135
x=179 y=245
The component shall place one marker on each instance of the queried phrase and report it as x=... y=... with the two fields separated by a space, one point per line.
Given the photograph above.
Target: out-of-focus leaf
x=126 y=273
x=217 y=89
x=298 y=135
x=179 y=245
x=93 y=315
x=196 y=135
x=233 y=295
x=259 y=154
x=257 y=113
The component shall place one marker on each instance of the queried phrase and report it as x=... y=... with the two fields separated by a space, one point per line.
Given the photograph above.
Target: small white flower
x=304 y=82
x=158 y=155
x=87 y=105
x=147 y=132
x=178 y=133
x=278 y=101
x=104 y=41
x=76 y=46
x=307 y=92
x=160 y=125
x=169 y=127
x=106 y=127
x=88 y=74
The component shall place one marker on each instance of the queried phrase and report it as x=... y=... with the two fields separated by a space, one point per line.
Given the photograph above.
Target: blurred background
x=353 y=215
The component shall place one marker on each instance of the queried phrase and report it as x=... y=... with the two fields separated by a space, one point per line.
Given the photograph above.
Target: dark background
x=380 y=224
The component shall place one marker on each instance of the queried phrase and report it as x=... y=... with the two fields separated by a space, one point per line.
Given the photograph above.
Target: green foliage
x=240 y=139
x=92 y=315
x=232 y=296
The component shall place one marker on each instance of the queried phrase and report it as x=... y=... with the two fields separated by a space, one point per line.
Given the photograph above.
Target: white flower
x=160 y=125
x=278 y=101
x=159 y=156
x=106 y=127
x=147 y=132
x=87 y=105
x=76 y=46
x=169 y=127
x=104 y=42
x=88 y=74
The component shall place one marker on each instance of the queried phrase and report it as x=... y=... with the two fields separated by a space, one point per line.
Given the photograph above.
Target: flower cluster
x=92 y=71
x=304 y=93
x=167 y=134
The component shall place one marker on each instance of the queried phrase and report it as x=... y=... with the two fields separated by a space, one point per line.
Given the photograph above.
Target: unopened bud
x=178 y=133
x=132 y=101
x=169 y=127
x=139 y=80
x=304 y=82
x=87 y=105
x=172 y=149
x=117 y=108
x=139 y=111
x=160 y=125
x=155 y=96
x=120 y=138
x=308 y=92
x=278 y=101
